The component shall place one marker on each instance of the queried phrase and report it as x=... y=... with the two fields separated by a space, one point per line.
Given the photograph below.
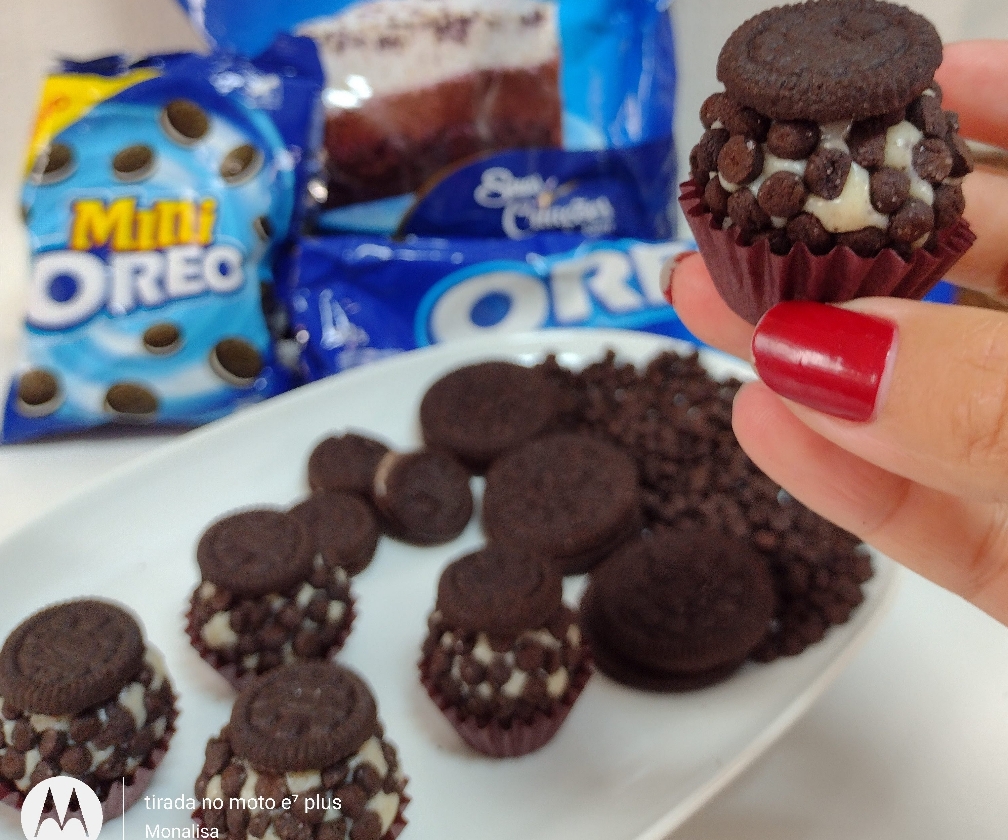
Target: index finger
x=972 y=77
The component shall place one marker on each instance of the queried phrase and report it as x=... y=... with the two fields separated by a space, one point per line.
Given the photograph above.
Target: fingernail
x=668 y=269
x=830 y=359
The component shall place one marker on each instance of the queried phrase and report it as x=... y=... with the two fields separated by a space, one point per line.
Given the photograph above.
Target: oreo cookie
x=343 y=527
x=162 y=338
x=241 y=164
x=678 y=610
x=424 y=496
x=56 y=164
x=38 y=393
x=308 y=715
x=131 y=400
x=256 y=552
x=830 y=60
x=499 y=591
x=236 y=361
x=70 y=656
x=345 y=462
x=133 y=163
x=184 y=121
x=479 y=411
x=571 y=497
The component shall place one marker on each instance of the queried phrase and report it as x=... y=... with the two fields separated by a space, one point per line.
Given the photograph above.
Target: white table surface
x=911 y=741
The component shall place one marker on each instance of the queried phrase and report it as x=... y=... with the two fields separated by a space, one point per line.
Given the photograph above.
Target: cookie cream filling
x=218 y=633
x=482 y=652
x=852 y=209
x=131 y=697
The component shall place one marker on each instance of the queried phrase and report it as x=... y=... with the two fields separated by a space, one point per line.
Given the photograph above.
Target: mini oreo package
x=484 y=118
x=157 y=196
x=357 y=299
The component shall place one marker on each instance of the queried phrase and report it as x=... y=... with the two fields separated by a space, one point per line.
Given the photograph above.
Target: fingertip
x=702 y=310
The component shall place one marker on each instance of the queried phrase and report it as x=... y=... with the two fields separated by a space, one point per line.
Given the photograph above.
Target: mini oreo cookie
x=56 y=164
x=345 y=462
x=184 y=121
x=570 y=496
x=70 y=656
x=134 y=163
x=241 y=164
x=830 y=60
x=256 y=552
x=479 y=411
x=131 y=400
x=236 y=362
x=343 y=527
x=38 y=393
x=499 y=591
x=302 y=716
x=162 y=338
x=424 y=496
x=678 y=609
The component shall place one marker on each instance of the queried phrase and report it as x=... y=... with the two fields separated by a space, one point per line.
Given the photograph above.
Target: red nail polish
x=827 y=358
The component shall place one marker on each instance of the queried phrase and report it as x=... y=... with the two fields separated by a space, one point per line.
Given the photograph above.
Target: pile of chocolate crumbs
x=676 y=422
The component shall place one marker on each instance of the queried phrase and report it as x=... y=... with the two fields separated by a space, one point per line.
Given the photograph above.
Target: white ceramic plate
x=625 y=766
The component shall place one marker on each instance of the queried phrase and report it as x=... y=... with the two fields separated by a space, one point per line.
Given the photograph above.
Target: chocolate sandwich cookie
x=241 y=164
x=675 y=611
x=829 y=141
x=55 y=164
x=479 y=411
x=82 y=695
x=38 y=393
x=571 y=497
x=184 y=121
x=303 y=756
x=236 y=361
x=345 y=462
x=343 y=526
x=504 y=658
x=267 y=595
x=423 y=497
x=162 y=338
x=131 y=401
x=133 y=163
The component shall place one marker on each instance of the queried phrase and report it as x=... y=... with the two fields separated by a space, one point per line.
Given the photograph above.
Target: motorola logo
x=61 y=807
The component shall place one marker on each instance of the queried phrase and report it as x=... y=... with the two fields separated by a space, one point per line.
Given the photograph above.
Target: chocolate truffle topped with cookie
x=303 y=757
x=504 y=658
x=830 y=134
x=268 y=595
x=81 y=694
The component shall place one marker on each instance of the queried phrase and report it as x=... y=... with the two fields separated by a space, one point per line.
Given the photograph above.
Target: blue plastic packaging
x=157 y=195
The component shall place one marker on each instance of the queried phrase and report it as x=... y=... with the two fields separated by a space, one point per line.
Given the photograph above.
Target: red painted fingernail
x=668 y=269
x=827 y=358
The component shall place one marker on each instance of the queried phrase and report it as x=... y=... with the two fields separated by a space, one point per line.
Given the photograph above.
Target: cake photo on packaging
x=828 y=169
x=83 y=695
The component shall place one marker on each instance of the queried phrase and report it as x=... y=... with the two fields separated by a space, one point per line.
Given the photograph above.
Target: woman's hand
x=894 y=417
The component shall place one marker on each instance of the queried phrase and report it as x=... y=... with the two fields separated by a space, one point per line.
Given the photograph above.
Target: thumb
x=918 y=389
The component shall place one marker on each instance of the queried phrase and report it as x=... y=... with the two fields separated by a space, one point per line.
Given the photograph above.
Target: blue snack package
x=158 y=195
x=485 y=118
x=356 y=299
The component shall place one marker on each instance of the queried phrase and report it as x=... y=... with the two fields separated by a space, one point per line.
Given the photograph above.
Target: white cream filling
x=852 y=209
x=392 y=46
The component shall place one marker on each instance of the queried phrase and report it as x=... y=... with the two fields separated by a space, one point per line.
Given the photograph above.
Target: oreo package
x=484 y=118
x=357 y=299
x=157 y=196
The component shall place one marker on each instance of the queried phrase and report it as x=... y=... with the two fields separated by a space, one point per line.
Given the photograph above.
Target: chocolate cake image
x=414 y=86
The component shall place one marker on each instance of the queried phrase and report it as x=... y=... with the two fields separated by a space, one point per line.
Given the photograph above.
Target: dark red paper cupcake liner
x=751 y=278
x=519 y=738
x=238 y=679
x=120 y=798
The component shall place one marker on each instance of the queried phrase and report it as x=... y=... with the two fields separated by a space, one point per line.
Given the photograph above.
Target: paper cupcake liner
x=238 y=678
x=120 y=798
x=752 y=279
x=519 y=738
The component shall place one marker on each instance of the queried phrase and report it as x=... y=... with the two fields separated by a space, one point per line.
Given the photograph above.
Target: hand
x=894 y=417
